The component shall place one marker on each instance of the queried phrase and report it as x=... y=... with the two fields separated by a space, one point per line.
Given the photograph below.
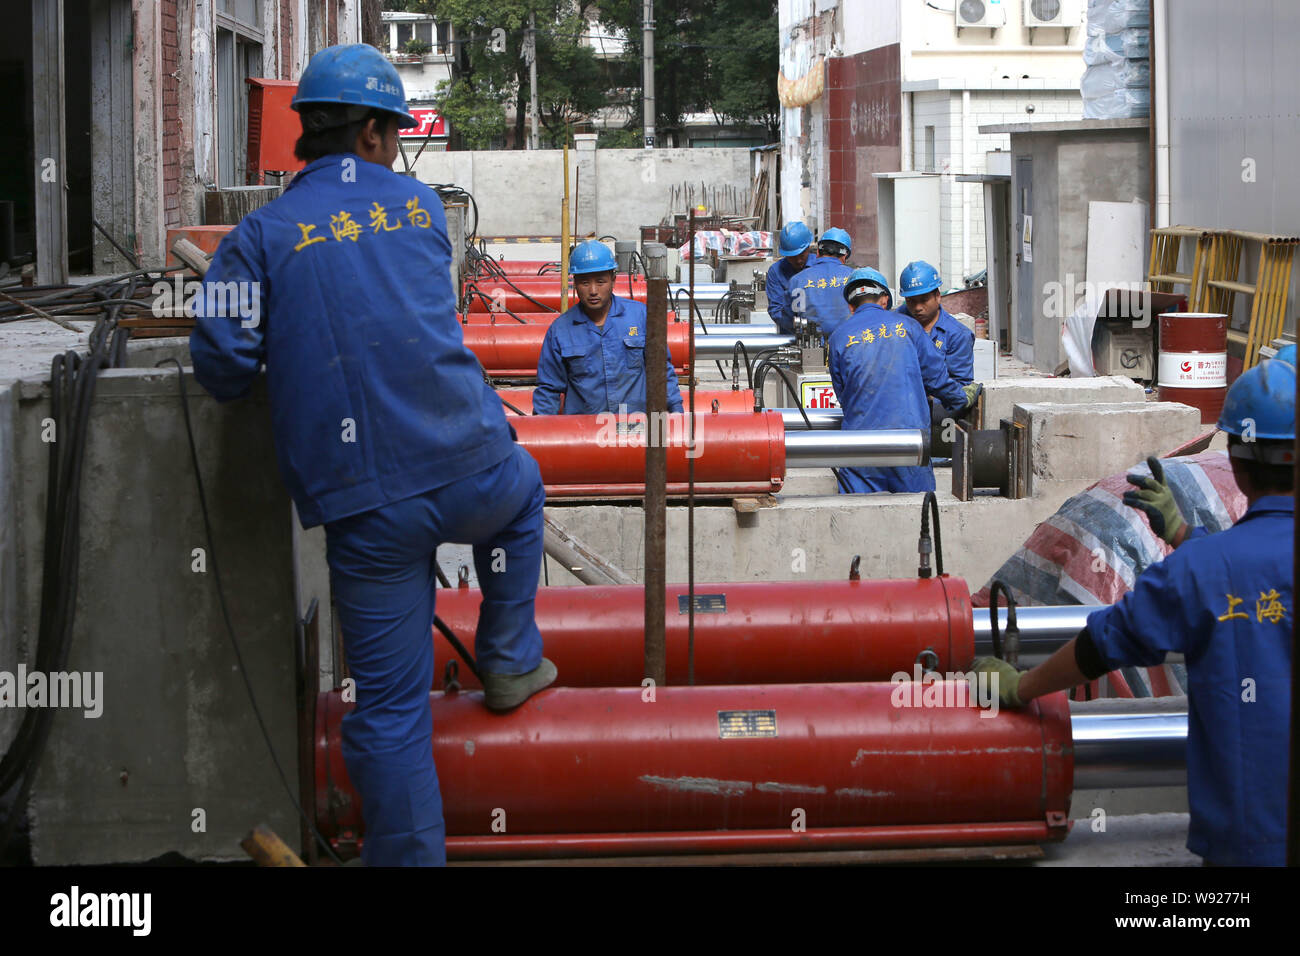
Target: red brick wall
x=171 y=116
x=863 y=136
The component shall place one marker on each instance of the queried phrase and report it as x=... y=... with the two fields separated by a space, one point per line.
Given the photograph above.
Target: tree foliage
x=716 y=56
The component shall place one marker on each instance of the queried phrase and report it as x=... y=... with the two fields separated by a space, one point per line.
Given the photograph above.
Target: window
x=239 y=56
x=929 y=149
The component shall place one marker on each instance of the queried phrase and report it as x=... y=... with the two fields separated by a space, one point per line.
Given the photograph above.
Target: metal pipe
x=1129 y=743
x=720 y=346
x=886 y=448
x=821 y=419
x=1042 y=629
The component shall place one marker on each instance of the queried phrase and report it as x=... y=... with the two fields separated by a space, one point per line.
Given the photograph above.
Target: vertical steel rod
x=656 y=470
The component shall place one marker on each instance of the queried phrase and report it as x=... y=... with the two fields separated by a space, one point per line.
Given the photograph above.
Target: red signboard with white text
x=428 y=118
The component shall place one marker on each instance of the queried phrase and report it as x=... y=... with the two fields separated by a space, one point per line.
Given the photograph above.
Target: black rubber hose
x=999 y=589
x=930 y=505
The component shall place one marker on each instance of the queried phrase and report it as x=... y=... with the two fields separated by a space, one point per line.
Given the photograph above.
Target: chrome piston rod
x=886 y=448
x=722 y=343
x=1121 y=742
x=819 y=419
x=1042 y=629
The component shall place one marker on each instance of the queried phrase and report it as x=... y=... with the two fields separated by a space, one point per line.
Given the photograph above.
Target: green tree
x=718 y=56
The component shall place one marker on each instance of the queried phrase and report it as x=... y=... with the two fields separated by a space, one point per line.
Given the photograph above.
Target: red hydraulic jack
x=609 y=771
x=740 y=401
x=510 y=350
x=754 y=632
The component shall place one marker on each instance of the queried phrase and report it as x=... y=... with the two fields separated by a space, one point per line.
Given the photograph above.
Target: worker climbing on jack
x=1225 y=602
x=385 y=431
x=594 y=354
x=919 y=285
x=817 y=293
x=882 y=366
x=795 y=249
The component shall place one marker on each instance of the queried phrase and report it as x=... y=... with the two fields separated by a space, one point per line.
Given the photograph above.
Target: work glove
x=1157 y=500
x=972 y=393
x=1008 y=679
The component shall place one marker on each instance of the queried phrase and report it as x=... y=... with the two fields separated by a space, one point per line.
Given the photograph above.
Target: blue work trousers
x=861 y=481
x=382 y=571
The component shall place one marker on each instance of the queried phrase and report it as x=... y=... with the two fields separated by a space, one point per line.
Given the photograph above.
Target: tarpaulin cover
x=1095 y=546
x=727 y=243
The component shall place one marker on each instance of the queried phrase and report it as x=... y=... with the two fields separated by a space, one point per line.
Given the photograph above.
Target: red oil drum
x=1193 y=364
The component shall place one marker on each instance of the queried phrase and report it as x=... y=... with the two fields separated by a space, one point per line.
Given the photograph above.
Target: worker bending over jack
x=593 y=355
x=795 y=249
x=882 y=366
x=919 y=285
x=1225 y=602
x=818 y=292
x=384 y=428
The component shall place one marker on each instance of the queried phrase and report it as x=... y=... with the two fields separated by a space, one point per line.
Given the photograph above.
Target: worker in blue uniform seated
x=1225 y=602
x=594 y=354
x=882 y=367
x=795 y=248
x=384 y=429
x=817 y=293
x=919 y=285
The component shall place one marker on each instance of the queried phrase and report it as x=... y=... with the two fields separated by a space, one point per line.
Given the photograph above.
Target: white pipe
x=965 y=206
x=1160 y=78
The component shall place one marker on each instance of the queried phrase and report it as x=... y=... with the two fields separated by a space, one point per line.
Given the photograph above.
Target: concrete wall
x=519 y=191
x=177 y=733
x=934 y=48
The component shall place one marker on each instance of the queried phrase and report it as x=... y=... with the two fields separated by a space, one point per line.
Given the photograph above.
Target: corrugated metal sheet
x=1234 y=101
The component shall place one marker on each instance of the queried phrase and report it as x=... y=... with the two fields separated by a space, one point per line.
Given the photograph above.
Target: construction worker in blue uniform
x=384 y=429
x=1226 y=603
x=593 y=355
x=817 y=293
x=882 y=367
x=795 y=249
x=919 y=285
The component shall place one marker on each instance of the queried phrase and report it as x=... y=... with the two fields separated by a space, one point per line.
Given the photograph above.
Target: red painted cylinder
x=603 y=456
x=1193 y=363
x=605 y=762
x=728 y=401
x=751 y=632
x=525 y=267
x=523 y=294
x=530 y=318
x=511 y=350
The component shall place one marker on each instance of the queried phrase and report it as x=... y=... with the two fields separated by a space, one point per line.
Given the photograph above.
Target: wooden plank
x=48 y=147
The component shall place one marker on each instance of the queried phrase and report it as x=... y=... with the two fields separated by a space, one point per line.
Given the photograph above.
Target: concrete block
x=1072 y=442
x=1003 y=394
x=176 y=732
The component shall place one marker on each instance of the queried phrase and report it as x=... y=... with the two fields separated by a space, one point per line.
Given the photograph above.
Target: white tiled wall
x=942 y=109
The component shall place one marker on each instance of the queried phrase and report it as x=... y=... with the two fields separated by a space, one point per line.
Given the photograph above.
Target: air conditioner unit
x=1050 y=13
x=980 y=13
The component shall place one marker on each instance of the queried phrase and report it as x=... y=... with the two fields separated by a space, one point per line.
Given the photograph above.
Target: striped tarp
x=1094 y=547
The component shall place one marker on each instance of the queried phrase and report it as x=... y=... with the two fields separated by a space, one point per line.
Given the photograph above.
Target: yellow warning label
x=746 y=723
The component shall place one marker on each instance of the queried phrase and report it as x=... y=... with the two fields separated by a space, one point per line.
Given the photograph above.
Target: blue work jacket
x=344 y=291
x=779 y=277
x=882 y=367
x=821 y=287
x=1224 y=601
x=955 y=343
x=597 y=368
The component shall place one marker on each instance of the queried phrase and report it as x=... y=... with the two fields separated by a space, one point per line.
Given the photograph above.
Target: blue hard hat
x=1261 y=402
x=837 y=235
x=795 y=238
x=354 y=74
x=866 y=276
x=591 y=256
x=918 y=278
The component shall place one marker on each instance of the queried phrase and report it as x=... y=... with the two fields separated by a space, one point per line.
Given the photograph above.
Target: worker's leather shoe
x=506 y=691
